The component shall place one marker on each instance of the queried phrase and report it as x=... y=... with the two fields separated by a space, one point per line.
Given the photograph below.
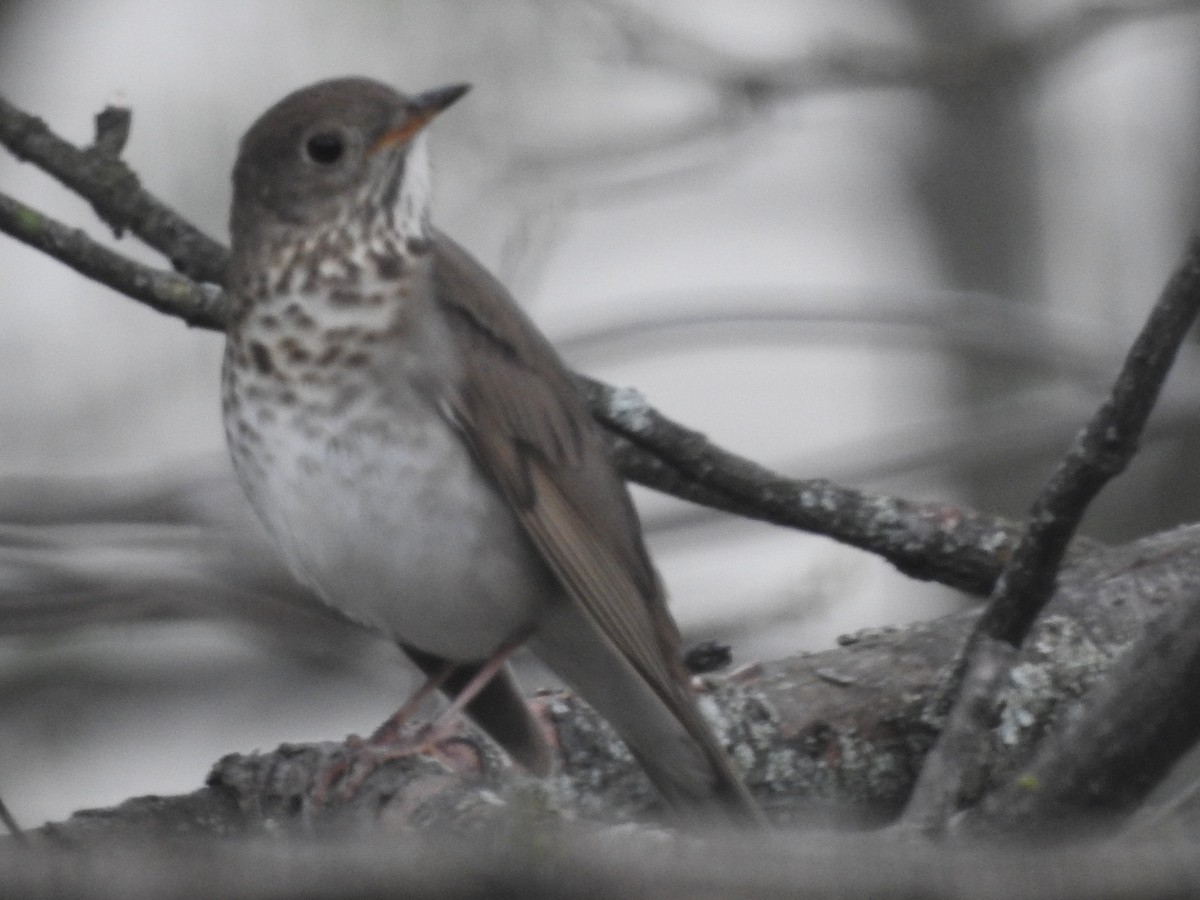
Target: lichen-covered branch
x=1101 y=451
x=832 y=736
x=197 y=304
x=1102 y=762
x=931 y=541
x=100 y=177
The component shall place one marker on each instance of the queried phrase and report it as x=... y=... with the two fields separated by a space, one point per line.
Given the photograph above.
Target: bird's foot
x=343 y=777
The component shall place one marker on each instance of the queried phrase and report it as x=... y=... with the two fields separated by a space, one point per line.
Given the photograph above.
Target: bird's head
x=345 y=150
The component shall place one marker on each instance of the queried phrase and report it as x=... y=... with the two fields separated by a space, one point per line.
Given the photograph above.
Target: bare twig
x=932 y=541
x=956 y=772
x=115 y=192
x=197 y=304
x=112 y=130
x=10 y=823
x=1101 y=451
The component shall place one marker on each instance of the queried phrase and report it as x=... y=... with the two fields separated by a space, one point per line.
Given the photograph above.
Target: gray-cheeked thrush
x=420 y=454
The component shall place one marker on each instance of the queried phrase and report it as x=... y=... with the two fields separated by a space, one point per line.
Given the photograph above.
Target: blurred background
x=902 y=244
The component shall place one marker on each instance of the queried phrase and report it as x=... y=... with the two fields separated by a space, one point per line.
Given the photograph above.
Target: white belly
x=394 y=525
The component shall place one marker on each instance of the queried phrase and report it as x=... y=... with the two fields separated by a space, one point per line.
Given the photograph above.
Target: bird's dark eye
x=325 y=147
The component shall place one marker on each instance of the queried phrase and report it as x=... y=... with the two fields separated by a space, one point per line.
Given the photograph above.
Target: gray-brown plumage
x=419 y=452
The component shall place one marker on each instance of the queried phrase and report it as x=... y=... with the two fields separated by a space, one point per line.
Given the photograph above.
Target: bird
x=422 y=457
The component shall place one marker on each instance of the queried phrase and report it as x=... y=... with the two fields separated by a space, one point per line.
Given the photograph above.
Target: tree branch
x=931 y=541
x=1103 y=448
x=99 y=176
x=1104 y=760
x=830 y=737
x=201 y=305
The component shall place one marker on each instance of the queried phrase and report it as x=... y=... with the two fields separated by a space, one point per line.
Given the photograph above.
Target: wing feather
x=531 y=431
x=526 y=421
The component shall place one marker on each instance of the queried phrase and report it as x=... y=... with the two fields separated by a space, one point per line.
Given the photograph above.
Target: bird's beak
x=419 y=112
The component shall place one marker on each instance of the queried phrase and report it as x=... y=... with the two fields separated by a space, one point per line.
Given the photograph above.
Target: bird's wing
x=527 y=423
x=524 y=418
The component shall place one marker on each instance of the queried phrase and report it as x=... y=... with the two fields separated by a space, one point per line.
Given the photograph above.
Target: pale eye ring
x=325 y=148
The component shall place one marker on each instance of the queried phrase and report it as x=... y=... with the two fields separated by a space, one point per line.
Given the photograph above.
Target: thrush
x=421 y=456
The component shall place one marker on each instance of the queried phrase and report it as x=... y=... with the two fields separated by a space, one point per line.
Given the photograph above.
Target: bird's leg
x=387 y=742
x=387 y=733
x=472 y=688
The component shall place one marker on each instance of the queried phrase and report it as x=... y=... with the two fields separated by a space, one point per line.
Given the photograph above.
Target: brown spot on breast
x=296 y=353
x=295 y=314
x=268 y=322
x=388 y=267
x=262 y=358
x=358 y=359
x=247 y=433
x=329 y=354
x=239 y=308
x=283 y=284
x=309 y=285
x=418 y=246
x=341 y=296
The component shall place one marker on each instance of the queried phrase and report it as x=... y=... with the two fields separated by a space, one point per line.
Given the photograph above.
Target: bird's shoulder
x=526 y=419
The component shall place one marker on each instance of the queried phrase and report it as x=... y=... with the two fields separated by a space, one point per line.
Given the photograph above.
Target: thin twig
x=931 y=541
x=956 y=771
x=1100 y=452
x=197 y=304
x=11 y=824
x=115 y=192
